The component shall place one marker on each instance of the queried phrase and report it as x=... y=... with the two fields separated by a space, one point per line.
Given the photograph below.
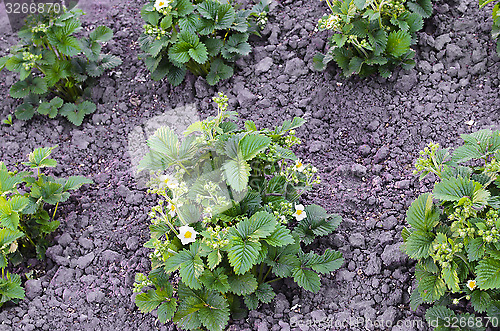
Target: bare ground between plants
x=363 y=135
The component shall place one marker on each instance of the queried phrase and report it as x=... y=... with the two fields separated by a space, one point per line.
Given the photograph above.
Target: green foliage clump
x=372 y=36
x=24 y=219
x=199 y=36
x=495 y=29
x=56 y=68
x=228 y=221
x=454 y=232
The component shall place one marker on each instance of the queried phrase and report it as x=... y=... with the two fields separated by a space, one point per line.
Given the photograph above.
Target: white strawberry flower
x=471 y=284
x=171 y=209
x=187 y=234
x=168 y=182
x=160 y=4
x=300 y=213
x=299 y=166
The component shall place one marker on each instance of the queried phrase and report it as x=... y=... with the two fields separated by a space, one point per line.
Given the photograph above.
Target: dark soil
x=363 y=135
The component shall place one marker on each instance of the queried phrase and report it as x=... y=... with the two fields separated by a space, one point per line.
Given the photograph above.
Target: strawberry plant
x=228 y=221
x=56 y=68
x=371 y=36
x=495 y=30
x=454 y=232
x=200 y=36
x=24 y=219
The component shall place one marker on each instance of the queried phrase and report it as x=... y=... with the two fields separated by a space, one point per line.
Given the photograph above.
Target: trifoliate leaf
x=251 y=301
x=149 y=301
x=437 y=315
x=25 y=111
x=475 y=249
x=167 y=310
x=20 y=89
x=109 y=61
x=183 y=7
x=237 y=173
x=214 y=314
x=175 y=75
x=243 y=284
x=480 y=300
x=101 y=34
x=265 y=293
x=419 y=243
x=243 y=254
x=216 y=280
x=450 y=277
x=307 y=279
x=253 y=144
x=50 y=108
x=75 y=182
x=415 y=299
x=488 y=274
x=38 y=156
x=189 y=23
x=225 y=17
x=422 y=214
x=236 y=45
x=218 y=71
x=398 y=43
x=285 y=265
x=199 y=53
x=421 y=7
x=38 y=85
x=431 y=288
x=213 y=45
x=328 y=262
x=415 y=22
x=49 y=192
x=8 y=217
x=180 y=52
x=280 y=237
x=260 y=225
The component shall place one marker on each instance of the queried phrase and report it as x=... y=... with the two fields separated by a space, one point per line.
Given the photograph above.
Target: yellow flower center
x=188 y=234
x=172 y=207
x=299 y=212
x=472 y=284
x=299 y=164
x=162 y=3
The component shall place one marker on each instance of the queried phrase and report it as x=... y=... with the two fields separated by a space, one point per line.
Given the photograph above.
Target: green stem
x=273 y=280
x=165 y=218
x=329 y=5
x=267 y=273
x=261 y=272
x=55 y=210
x=27 y=236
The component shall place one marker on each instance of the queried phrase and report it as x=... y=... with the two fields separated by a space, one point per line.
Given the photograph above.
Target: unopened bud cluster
x=30 y=60
x=215 y=237
x=443 y=252
x=154 y=31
